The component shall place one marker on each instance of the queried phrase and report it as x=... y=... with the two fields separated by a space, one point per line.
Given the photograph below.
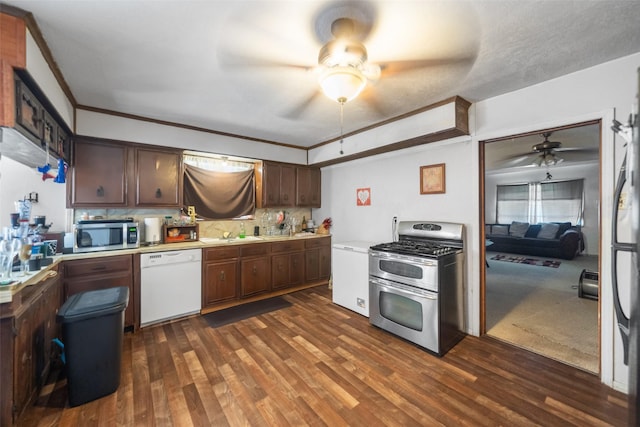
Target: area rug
x=529 y=261
x=245 y=311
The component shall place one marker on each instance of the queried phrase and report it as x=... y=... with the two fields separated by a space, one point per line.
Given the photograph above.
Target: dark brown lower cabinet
x=318 y=259
x=259 y=270
x=287 y=264
x=102 y=273
x=255 y=269
x=27 y=327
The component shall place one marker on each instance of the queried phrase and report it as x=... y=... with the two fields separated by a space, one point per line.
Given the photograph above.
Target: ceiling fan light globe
x=342 y=84
x=342 y=53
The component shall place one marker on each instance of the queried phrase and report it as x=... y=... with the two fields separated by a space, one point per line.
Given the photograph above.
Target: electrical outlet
x=360 y=302
x=622 y=203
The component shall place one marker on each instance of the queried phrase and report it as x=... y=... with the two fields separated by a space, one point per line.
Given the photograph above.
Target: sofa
x=554 y=239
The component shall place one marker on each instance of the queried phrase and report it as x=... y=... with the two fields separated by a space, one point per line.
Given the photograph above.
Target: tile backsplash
x=207 y=228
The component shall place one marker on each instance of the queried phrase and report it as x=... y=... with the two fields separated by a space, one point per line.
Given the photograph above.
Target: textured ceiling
x=247 y=67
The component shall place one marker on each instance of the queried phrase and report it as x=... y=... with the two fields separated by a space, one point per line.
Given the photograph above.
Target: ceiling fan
x=342 y=69
x=547 y=150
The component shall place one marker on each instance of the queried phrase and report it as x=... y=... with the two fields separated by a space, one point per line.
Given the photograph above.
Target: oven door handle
x=399 y=288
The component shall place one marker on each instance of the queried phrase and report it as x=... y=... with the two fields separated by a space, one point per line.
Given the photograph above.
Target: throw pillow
x=500 y=230
x=518 y=229
x=548 y=231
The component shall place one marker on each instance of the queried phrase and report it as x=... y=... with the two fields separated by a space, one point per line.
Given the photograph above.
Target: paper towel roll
x=152 y=230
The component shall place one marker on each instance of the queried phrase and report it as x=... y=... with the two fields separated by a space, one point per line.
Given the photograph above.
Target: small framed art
x=432 y=179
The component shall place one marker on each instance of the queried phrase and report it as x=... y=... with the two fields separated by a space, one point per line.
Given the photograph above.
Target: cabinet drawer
x=292 y=246
x=211 y=254
x=254 y=249
x=317 y=242
x=97 y=266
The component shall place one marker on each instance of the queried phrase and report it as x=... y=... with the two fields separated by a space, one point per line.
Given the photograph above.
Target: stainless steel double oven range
x=416 y=285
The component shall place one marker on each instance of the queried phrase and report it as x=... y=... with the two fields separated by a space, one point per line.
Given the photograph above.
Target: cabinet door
x=324 y=267
x=23 y=371
x=297 y=268
x=99 y=175
x=278 y=185
x=318 y=259
x=270 y=185
x=311 y=265
x=74 y=286
x=255 y=276
x=49 y=133
x=63 y=142
x=287 y=185
x=280 y=271
x=29 y=111
x=308 y=187
x=287 y=270
x=220 y=282
x=101 y=273
x=158 y=178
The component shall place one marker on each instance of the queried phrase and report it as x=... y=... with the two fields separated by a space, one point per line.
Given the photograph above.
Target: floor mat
x=529 y=261
x=245 y=311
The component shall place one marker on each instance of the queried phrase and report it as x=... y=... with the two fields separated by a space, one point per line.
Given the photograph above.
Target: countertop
x=45 y=272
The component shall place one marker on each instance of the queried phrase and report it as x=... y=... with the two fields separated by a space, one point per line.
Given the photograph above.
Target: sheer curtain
x=537 y=202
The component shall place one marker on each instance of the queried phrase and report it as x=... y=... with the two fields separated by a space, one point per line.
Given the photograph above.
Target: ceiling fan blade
x=581 y=149
x=300 y=108
x=395 y=67
x=232 y=60
x=369 y=96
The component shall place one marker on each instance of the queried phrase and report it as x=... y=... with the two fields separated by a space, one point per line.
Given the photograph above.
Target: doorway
x=531 y=297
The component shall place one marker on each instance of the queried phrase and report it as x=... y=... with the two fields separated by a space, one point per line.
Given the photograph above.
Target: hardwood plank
x=318 y=364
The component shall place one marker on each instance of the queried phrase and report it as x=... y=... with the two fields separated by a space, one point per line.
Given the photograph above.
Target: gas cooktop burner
x=408 y=247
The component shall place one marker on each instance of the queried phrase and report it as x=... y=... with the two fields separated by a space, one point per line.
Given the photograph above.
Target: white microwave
x=105 y=235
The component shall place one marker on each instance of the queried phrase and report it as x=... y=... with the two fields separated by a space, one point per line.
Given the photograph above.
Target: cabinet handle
x=222 y=276
x=255 y=270
x=279 y=267
x=100 y=191
x=286 y=197
x=158 y=193
x=99 y=268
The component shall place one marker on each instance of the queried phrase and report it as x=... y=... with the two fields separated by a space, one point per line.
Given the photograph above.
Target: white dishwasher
x=170 y=285
x=350 y=275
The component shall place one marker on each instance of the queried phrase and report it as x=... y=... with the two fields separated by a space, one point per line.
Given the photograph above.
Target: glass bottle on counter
x=242 y=232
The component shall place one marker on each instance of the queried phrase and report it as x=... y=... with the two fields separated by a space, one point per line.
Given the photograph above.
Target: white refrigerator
x=350 y=275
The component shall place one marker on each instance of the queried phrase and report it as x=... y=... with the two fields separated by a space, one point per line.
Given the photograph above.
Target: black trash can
x=92 y=331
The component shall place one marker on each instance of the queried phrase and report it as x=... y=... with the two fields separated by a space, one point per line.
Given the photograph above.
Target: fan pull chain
x=341 y=126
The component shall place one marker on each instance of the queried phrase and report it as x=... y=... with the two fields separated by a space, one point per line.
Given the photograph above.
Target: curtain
x=219 y=195
x=561 y=201
x=512 y=203
x=538 y=202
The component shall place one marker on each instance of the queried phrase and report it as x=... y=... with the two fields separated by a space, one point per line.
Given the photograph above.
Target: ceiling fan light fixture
x=547 y=159
x=342 y=84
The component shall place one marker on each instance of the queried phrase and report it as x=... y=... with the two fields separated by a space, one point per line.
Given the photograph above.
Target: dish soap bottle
x=304 y=223
x=242 y=232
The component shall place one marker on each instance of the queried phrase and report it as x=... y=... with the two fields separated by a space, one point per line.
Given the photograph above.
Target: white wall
x=590 y=173
x=601 y=92
x=100 y=125
x=17 y=180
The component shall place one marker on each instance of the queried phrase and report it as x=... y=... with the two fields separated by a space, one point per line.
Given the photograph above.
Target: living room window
x=538 y=202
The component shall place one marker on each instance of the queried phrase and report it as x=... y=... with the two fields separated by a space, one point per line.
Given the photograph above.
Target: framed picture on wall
x=432 y=179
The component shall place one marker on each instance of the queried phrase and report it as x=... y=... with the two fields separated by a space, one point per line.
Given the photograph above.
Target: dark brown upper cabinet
x=158 y=176
x=118 y=174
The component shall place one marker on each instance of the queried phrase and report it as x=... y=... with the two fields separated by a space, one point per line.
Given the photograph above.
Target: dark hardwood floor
x=316 y=364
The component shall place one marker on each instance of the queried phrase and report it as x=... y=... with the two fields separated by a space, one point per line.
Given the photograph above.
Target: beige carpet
x=538 y=308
